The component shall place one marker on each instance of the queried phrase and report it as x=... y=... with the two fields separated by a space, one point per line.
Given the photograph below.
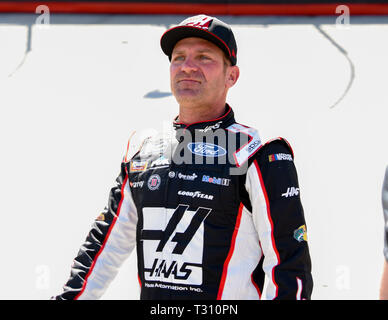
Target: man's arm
x=278 y=216
x=109 y=242
x=384 y=280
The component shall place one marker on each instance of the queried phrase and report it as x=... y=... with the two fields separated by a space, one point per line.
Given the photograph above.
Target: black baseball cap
x=205 y=27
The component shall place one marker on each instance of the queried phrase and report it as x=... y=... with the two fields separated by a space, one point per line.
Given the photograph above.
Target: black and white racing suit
x=211 y=211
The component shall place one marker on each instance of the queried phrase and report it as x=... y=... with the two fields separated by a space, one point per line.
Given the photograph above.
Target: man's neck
x=192 y=115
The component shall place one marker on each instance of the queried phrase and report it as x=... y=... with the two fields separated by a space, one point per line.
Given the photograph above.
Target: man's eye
x=202 y=57
x=178 y=58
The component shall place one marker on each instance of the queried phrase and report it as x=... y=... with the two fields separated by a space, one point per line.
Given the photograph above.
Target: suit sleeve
x=273 y=188
x=109 y=242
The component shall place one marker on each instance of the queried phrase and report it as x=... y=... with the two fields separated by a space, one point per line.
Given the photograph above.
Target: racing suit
x=210 y=209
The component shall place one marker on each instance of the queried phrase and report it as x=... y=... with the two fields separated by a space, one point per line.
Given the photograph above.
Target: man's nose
x=189 y=65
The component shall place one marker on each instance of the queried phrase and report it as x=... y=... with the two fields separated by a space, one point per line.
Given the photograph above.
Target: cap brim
x=172 y=36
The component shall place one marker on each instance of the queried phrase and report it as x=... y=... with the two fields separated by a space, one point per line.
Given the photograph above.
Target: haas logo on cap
x=201 y=21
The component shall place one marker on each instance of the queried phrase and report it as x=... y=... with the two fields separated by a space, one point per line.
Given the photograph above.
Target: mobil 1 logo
x=173 y=241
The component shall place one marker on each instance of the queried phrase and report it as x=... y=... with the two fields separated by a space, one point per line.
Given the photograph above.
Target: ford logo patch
x=206 y=149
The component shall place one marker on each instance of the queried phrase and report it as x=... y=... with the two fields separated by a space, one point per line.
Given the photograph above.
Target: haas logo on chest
x=173 y=244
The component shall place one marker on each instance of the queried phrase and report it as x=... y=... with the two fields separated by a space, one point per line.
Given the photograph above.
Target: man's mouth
x=189 y=80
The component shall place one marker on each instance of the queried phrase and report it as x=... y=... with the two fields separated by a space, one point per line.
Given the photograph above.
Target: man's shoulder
x=256 y=148
x=277 y=144
x=143 y=143
x=274 y=150
x=247 y=140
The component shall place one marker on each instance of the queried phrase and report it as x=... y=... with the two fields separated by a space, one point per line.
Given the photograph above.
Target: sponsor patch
x=291 y=192
x=300 y=234
x=195 y=194
x=160 y=162
x=206 y=149
x=213 y=127
x=173 y=243
x=138 y=166
x=136 y=184
x=279 y=157
x=179 y=175
x=248 y=149
x=153 y=182
x=215 y=180
x=101 y=217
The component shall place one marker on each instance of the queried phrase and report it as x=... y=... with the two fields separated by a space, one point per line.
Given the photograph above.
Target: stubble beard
x=187 y=96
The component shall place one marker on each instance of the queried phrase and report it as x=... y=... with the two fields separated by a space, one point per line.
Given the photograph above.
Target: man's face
x=199 y=73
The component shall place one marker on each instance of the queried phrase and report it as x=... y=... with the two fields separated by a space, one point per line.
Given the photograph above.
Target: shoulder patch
x=273 y=153
x=250 y=148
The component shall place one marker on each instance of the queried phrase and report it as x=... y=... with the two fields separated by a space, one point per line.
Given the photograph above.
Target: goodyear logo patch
x=300 y=234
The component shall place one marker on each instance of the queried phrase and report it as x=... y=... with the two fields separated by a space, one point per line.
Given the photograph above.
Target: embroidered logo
x=279 y=156
x=206 y=149
x=154 y=182
x=291 y=192
x=300 y=234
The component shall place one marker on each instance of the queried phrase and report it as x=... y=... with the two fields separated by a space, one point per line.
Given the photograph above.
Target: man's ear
x=233 y=75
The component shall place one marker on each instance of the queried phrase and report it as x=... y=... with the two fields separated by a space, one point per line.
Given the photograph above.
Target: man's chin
x=188 y=101
x=187 y=96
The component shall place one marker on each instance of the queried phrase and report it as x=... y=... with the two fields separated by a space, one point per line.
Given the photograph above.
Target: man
x=384 y=280
x=209 y=208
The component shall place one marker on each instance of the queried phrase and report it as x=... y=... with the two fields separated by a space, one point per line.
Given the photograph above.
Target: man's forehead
x=197 y=43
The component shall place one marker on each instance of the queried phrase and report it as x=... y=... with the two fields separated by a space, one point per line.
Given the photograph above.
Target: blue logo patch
x=206 y=149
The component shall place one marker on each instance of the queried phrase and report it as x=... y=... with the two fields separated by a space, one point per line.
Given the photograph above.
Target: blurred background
x=76 y=77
